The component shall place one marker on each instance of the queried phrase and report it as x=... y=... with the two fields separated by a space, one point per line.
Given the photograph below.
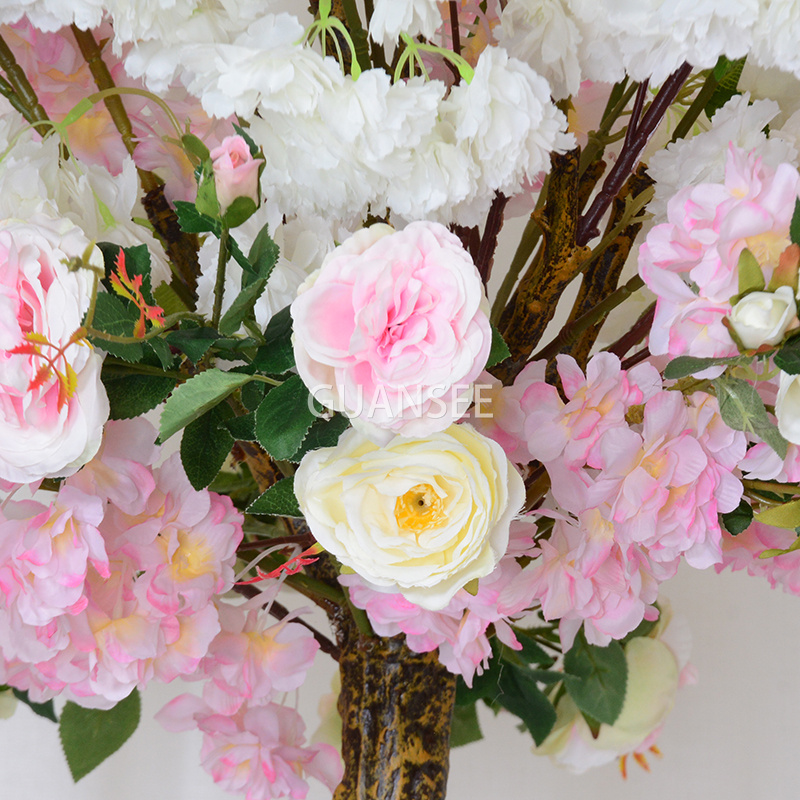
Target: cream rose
x=787 y=407
x=422 y=517
x=763 y=317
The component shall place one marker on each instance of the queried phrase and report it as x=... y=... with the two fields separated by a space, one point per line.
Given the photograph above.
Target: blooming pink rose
x=52 y=403
x=235 y=171
x=393 y=329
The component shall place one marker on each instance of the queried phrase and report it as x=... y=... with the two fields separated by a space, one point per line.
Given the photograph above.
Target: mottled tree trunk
x=396 y=708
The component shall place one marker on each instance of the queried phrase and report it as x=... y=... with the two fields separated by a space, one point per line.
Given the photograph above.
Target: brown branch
x=488 y=245
x=635 y=335
x=27 y=102
x=587 y=228
x=454 y=30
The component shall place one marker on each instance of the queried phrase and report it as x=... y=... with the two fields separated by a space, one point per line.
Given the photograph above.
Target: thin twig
x=494 y=224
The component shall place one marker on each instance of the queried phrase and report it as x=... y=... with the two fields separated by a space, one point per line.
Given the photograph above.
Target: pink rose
x=235 y=171
x=52 y=403
x=393 y=329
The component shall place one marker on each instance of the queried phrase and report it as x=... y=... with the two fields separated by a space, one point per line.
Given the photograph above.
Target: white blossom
x=391 y=17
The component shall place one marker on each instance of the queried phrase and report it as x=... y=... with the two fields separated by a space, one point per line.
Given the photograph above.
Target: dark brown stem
x=488 y=246
x=635 y=335
x=587 y=227
x=454 y=29
x=636 y=358
x=636 y=114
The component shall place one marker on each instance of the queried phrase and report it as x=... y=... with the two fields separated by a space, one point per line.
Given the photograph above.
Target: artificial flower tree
x=275 y=234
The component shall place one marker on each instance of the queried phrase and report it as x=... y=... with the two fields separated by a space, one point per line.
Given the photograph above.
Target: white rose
x=787 y=407
x=52 y=403
x=422 y=517
x=763 y=317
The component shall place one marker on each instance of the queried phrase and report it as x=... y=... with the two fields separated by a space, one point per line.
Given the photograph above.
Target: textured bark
x=396 y=708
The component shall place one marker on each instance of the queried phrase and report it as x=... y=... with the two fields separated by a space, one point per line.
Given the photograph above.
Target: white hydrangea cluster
x=701 y=158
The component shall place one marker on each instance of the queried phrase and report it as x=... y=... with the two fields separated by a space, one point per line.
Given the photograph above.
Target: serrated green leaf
x=276 y=355
x=160 y=348
x=683 y=366
x=263 y=254
x=596 y=678
x=192 y=399
x=794 y=226
x=113 y=316
x=253 y=393
x=322 y=433
x=279 y=500
x=89 y=736
x=205 y=445
x=784 y=516
x=254 y=150
x=738 y=520
x=243 y=429
x=241 y=307
x=531 y=651
x=788 y=357
x=192 y=221
x=194 y=342
x=727 y=73
x=133 y=395
x=45 y=710
x=166 y=297
x=465 y=727
x=284 y=417
x=742 y=409
x=499 y=350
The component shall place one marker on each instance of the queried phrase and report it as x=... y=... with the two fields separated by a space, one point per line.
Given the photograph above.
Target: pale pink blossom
x=691 y=261
x=393 y=329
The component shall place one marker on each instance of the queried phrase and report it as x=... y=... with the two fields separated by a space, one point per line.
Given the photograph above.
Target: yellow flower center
x=767 y=247
x=419 y=508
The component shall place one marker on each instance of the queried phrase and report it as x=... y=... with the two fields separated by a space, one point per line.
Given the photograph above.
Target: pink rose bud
x=235 y=172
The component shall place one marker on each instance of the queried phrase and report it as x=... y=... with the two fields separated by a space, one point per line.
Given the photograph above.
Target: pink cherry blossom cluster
x=252 y=745
x=638 y=475
x=460 y=629
x=691 y=262
x=112 y=584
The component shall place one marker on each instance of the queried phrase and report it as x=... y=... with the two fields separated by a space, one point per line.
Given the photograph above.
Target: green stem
x=89 y=318
x=358 y=33
x=172 y=319
x=219 y=286
x=696 y=108
x=772 y=486
x=18 y=81
x=118 y=367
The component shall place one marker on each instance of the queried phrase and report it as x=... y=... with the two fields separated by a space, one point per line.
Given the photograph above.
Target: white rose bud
x=787 y=407
x=763 y=317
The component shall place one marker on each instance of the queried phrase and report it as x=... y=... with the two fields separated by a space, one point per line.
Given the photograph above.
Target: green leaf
x=45 y=710
x=192 y=221
x=751 y=278
x=254 y=149
x=784 y=516
x=738 y=520
x=521 y=696
x=243 y=429
x=205 y=445
x=499 y=350
x=788 y=357
x=194 y=342
x=742 y=409
x=166 y=297
x=133 y=395
x=279 y=500
x=276 y=355
x=727 y=73
x=194 y=146
x=239 y=211
x=323 y=433
x=465 y=728
x=253 y=393
x=531 y=651
x=284 y=417
x=683 y=366
x=263 y=254
x=596 y=678
x=241 y=307
x=794 y=226
x=90 y=736
x=160 y=348
x=113 y=316
x=192 y=399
